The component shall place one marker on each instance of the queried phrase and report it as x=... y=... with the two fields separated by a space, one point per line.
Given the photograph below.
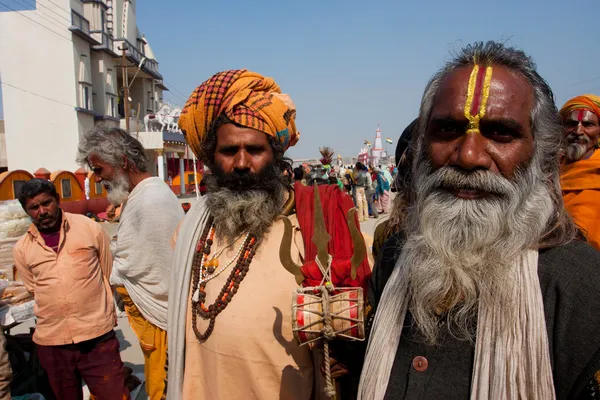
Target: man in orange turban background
x=580 y=178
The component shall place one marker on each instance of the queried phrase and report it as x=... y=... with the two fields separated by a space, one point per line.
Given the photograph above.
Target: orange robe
x=581 y=192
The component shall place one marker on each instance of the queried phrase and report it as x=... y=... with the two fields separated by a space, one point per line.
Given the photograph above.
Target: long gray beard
x=460 y=253
x=236 y=212
x=117 y=190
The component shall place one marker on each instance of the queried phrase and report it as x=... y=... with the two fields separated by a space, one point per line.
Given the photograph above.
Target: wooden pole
x=125 y=85
x=137 y=119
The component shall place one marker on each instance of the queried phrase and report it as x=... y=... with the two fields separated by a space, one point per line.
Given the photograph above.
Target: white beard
x=118 y=189
x=460 y=256
x=459 y=251
x=575 y=151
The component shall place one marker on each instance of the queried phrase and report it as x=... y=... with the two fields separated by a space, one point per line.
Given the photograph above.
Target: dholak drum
x=346 y=308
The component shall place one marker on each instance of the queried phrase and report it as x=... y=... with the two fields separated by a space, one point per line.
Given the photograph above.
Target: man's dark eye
x=447 y=132
x=447 y=129
x=502 y=136
x=444 y=130
x=255 y=150
x=228 y=151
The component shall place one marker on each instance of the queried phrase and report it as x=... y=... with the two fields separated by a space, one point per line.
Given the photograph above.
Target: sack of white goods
x=11 y=210
x=14 y=228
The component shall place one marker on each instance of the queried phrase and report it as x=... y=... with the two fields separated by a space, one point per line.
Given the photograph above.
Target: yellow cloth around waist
x=143 y=329
x=153 y=342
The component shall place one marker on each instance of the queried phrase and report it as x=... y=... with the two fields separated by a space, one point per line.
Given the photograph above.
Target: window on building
x=103 y=20
x=110 y=81
x=85 y=82
x=86 y=95
x=84 y=69
x=112 y=105
x=98 y=187
x=17 y=185
x=65 y=184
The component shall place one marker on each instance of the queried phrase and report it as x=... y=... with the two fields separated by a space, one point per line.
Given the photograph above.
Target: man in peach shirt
x=65 y=261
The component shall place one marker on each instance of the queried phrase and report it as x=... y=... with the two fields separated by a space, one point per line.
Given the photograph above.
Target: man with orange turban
x=580 y=178
x=230 y=322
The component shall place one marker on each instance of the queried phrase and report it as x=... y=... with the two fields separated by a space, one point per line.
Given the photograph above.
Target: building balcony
x=81 y=27
x=107 y=43
x=152 y=65
x=159 y=83
x=149 y=66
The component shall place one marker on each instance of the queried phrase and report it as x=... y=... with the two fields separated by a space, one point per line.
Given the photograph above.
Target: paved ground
x=131 y=353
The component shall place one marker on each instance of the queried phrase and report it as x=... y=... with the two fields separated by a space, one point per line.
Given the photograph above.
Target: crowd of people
x=485 y=282
x=369 y=186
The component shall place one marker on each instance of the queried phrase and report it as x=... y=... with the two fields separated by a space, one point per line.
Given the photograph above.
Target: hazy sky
x=350 y=65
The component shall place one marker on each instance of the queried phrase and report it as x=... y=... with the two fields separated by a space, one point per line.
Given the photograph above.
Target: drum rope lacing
x=326 y=287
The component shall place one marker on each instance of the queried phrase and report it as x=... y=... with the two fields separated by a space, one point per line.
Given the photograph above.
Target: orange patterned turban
x=585 y=102
x=246 y=98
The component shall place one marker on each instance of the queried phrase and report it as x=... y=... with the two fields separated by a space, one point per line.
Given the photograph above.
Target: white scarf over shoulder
x=511 y=362
x=143 y=255
x=189 y=233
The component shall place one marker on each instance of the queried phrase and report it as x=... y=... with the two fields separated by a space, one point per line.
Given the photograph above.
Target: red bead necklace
x=200 y=267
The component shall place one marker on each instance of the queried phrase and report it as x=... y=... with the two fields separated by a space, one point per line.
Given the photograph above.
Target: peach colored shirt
x=73 y=299
x=252 y=353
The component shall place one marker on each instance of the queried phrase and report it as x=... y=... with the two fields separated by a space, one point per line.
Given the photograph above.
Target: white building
x=378 y=152
x=61 y=74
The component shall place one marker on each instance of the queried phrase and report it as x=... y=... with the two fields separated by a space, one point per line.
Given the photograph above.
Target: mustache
x=572 y=138
x=452 y=178
x=270 y=179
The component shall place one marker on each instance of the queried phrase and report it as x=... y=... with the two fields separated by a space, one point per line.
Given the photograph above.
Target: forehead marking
x=580 y=115
x=478 y=93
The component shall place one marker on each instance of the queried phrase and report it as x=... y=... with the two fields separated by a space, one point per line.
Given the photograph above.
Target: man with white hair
x=142 y=250
x=486 y=294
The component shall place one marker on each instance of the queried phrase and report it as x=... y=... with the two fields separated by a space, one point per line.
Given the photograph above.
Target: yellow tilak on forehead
x=478 y=93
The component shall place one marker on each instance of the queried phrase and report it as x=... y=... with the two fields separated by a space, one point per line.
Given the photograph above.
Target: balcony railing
x=78 y=21
x=81 y=27
x=160 y=84
x=107 y=42
x=150 y=66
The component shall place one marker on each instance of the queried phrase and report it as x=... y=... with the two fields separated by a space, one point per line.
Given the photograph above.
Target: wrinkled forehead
x=581 y=115
x=490 y=92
